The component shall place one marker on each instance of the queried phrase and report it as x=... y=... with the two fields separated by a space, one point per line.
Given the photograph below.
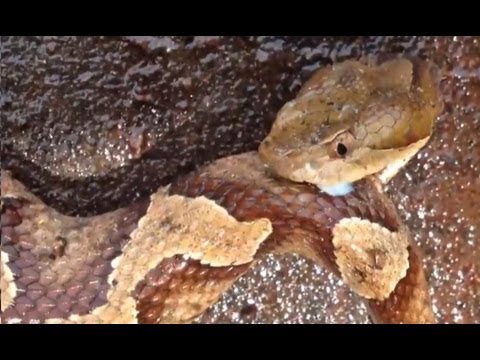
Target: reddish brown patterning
x=178 y=289
x=61 y=264
x=303 y=218
x=410 y=302
x=294 y=209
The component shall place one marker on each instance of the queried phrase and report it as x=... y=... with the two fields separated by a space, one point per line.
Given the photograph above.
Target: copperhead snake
x=315 y=188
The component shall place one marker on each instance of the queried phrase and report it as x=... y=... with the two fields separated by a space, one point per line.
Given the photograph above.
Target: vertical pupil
x=341 y=149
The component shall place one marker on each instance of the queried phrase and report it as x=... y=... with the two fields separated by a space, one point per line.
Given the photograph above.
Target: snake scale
x=315 y=188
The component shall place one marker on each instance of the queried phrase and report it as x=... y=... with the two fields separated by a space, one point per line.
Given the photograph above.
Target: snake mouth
x=335 y=176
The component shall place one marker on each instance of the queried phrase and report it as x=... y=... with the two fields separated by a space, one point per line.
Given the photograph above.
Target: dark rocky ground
x=90 y=124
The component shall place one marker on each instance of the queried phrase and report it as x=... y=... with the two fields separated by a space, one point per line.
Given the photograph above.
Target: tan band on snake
x=168 y=258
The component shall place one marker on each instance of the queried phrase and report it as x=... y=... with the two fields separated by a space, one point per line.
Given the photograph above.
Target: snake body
x=168 y=258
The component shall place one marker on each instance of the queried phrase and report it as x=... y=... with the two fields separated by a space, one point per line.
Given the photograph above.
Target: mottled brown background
x=90 y=124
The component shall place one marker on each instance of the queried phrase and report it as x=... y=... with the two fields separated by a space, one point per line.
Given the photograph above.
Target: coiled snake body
x=168 y=258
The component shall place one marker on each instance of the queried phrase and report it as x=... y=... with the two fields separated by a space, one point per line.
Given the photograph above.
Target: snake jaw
x=333 y=174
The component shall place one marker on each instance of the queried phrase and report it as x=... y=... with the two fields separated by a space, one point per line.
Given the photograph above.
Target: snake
x=315 y=187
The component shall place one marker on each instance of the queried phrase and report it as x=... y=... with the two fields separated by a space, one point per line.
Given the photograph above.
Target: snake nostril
x=341 y=149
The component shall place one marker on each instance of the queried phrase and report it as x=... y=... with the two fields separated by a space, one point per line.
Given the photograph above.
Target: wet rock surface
x=90 y=124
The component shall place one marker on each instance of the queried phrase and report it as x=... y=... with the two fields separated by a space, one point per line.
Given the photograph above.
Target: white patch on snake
x=7 y=283
x=371 y=258
x=338 y=189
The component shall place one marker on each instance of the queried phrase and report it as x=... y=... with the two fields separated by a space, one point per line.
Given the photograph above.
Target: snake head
x=352 y=120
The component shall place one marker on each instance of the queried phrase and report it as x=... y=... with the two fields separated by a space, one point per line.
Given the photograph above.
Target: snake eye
x=342 y=145
x=341 y=149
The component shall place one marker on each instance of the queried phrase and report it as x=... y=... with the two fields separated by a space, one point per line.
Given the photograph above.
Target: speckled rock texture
x=90 y=124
